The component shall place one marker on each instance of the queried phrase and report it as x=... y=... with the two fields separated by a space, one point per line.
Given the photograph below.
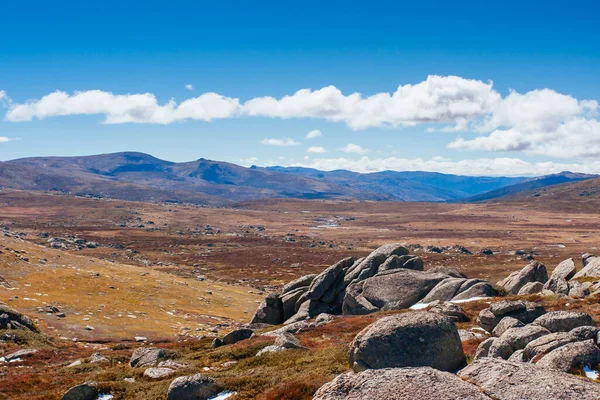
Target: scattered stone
x=98 y=358
x=237 y=335
x=19 y=354
x=518 y=338
x=546 y=344
x=158 y=372
x=85 y=391
x=531 y=288
x=193 y=387
x=146 y=357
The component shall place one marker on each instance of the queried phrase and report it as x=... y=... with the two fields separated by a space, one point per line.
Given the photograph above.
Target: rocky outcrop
x=504 y=380
x=412 y=339
x=534 y=272
x=13 y=319
x=399 y=383
x=193 y=387
x=565 y=270
x=387 y=279
x=592 y=269
x=531 y=288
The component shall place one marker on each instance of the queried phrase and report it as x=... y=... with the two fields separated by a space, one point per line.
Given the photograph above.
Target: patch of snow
x=15 y=360
x=468 y=300
x=590 y=373
x=105 y=396
x=222 y=396
x=419 y=306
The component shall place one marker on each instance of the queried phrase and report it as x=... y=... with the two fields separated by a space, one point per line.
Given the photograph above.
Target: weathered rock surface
x=531 y=288
x=500 y=349
x=546 y=344
x=505 y=324
x=237 y=335
x=557 y=285
x=518 y=338
x=147 y=357
x=413 y=339
x=270 y=311
x=504 y=380
x=534 y=272
x=325 y=279
x=524 y=311
x=592 y=269
x=451 y=310
x=158 y=372
x=564 y=321
x=565 y=270
x=399 y=384
x=193 y=387
x=571 y=355
x=13 y=319
x=85 y=391
x=480 y=289
x=302 y=282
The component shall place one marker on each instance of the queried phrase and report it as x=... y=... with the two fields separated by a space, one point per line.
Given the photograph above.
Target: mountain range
x=142 y=177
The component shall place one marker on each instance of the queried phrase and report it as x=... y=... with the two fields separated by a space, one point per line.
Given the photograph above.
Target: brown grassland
x=181 y=274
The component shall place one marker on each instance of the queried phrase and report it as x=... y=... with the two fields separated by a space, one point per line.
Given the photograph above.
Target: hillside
x=525 y=187
x=142 y=177
x=408 y=185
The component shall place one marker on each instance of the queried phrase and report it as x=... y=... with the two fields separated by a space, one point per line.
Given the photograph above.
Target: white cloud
x=437 y=99
x=285 y=142
x=316 y=149
x=140 y=108
x=313 y=134
x=354 y=148
x=542 y=122
x=189 y=86
x=4 y=139
x=476 y=167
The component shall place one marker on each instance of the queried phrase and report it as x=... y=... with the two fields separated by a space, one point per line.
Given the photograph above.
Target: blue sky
x=456 y=121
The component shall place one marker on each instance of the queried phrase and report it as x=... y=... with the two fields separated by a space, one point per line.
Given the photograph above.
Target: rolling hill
x=528 y=185
x=142 y=177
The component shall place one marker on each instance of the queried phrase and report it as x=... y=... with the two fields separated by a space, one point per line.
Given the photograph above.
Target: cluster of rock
x=387 y=279
x=524 y=332
x=565 y=279
x=71 y=243
x=419 y=354
x=13 y=319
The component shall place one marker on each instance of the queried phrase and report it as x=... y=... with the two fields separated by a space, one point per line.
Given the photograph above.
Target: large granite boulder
x=565 y=270
x=370 y=264
x=193 y=387
x=564 y=321
x=591 y=270
x=13 y=319
x=392 y=290
x=270 y=311
x=147 y=357
x=413 y=339
x=518 y=338
x=571 y=355
x=422 y=383
x=534 y=272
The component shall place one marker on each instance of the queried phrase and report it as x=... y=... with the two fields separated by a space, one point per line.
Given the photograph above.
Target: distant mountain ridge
x=142 y=177
x=531 y=184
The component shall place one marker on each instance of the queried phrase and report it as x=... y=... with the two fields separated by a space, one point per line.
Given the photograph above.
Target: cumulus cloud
x=316 y=149
x=542 y=122
x=189 y=86
x=313 y=134
x=285 y=142
x=354 y=148
x=437 y=99
x=475 y=167
x=140 y=108
x=4 y=139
